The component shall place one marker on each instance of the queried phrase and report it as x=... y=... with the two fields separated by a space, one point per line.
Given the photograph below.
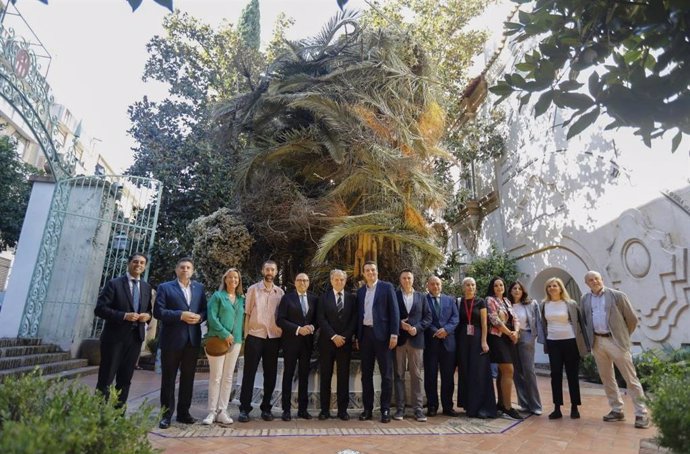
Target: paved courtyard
x=536 y=434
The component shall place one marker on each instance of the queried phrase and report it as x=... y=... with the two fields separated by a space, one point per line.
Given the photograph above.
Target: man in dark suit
x=296 y=316
x=377 y=335
x=415 y=318
x=181 y=307
x=125 y=305
x=439 y=348
x=337 y=316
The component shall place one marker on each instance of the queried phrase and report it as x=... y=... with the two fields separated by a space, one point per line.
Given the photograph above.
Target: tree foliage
x=628 y=59
x=441 y=28
x=175 y=136
x=249 y=25
x=340 y=135
x=15 y=189
x=494 y=263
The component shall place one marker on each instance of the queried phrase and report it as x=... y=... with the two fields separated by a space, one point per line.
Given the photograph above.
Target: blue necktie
x=305 y=306
x=136 y=296
x=437 y=308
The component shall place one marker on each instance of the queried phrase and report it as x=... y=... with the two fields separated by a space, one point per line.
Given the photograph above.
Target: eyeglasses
x=301 y=280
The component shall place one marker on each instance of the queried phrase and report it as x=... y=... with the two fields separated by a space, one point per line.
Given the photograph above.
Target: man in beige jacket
x=609 y=320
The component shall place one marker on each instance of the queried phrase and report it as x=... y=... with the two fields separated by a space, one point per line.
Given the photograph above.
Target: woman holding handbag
x=223 y=343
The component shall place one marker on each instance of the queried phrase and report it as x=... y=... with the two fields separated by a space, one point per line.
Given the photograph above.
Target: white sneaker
x=208 y=420
x=223 y=418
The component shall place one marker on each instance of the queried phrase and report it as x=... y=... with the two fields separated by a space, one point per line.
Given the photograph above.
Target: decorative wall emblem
x=655 y=274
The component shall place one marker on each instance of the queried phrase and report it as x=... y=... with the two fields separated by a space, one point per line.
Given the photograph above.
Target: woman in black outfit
x=475 y=386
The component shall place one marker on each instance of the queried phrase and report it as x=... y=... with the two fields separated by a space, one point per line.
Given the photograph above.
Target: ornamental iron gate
x=104 y=220
x=94 y=222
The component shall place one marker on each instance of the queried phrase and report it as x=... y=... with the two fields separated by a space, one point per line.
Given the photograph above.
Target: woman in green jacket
x=225 y=319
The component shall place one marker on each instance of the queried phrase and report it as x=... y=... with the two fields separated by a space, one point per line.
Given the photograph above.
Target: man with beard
x=262 y=342
x=125 y=305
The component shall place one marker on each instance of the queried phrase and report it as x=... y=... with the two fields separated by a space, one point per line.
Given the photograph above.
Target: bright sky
x=98 y=53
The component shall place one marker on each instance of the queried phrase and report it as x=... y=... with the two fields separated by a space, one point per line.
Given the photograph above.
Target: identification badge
x=470 y=330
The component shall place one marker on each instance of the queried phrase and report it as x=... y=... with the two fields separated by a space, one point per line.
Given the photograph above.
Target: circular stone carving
x=636 y=258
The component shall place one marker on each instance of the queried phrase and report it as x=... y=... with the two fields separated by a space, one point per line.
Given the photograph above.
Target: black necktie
x=136 y=296
x=339 y=304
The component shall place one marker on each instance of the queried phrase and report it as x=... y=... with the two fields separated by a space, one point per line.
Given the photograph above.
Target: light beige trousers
x=606 y=354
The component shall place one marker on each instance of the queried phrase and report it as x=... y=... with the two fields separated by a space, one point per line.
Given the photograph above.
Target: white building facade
x=600 y=201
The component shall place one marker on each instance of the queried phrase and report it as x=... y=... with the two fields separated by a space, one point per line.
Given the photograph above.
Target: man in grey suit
x=415 y=317
x=609 y=320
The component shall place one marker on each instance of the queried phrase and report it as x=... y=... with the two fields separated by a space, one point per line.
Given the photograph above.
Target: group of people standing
x=402 y=331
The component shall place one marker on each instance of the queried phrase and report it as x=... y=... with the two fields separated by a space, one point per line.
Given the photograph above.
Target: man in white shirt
x=415 y=318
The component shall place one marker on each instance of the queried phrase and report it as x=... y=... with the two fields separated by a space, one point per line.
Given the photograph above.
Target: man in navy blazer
x=415 y=318
x=439 y=348
x=181 y=307
x=125 y=305
x=337 y=316
x=377 y=335
x=296 y=316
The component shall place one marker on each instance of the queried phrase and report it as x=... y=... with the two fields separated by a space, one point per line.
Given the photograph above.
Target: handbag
x=215 y=346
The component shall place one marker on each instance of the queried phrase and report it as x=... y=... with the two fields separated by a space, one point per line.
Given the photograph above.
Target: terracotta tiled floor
x=537 y=434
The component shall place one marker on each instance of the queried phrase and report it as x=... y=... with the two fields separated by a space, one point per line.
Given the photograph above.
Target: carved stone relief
x=653 y=272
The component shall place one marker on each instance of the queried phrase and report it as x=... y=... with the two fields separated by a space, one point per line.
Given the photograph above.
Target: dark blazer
x=419 y=317
x=289 y=315
x=329 y=322
x=449 y=320
x=170 y=303
x=385 y=311
x=114 y=301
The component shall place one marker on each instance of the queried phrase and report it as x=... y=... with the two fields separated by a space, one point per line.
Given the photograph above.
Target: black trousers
x=297 y=352
x=118 y=358
x=373 y=350
x=265 y=350
x=329 y=354
x=564 y=352
x=437 y=358
x=183 y=360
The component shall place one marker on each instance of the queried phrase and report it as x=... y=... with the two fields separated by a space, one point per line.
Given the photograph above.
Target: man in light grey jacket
x=609 y=320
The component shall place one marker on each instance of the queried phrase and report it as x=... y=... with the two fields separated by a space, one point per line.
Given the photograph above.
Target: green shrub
x=670 y=407
x=37 y=416
x=494 y=263
x=652 y=365
x=589 y=371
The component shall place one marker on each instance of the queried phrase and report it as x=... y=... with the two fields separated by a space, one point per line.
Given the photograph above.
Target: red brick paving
x=535 y=435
